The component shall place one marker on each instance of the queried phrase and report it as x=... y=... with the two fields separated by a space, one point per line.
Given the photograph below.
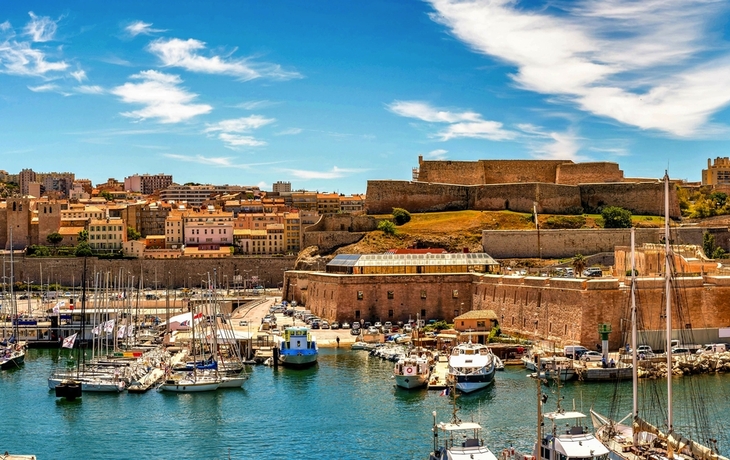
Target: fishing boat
x=642 y=440
x=12 y=351
x=556 y=367
x=412 y=371
x=471 y=366
x=298 y=348
x=456 y=439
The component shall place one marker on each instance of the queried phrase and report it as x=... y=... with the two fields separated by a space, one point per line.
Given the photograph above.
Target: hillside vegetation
x=459 y=230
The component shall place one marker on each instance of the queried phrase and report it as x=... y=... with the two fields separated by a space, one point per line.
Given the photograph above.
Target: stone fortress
x=549 y=186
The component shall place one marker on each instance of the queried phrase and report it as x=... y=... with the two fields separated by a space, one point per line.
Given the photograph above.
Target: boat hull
x=467 y=383
x=13 y=362
x=68 y=389
x=298 y=359
x=189 y=386
x=411 y=381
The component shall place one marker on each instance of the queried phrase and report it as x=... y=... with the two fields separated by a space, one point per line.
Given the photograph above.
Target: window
x=481 y=324
x=357 y=314
x=423 y=313
x=359 y=295
x=390 y=313
x=390 y=295
x=423 y=294
x=455 y=293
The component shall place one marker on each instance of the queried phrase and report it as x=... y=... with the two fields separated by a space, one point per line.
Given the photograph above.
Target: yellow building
x=328 y=203
x=717 y=173
x=107 y=234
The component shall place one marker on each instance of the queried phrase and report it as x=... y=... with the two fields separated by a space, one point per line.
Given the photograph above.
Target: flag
x=130 y=330
x=97 y=329
x=68 y=342
x=120 y=331
x=444 y=392
x=109 y=326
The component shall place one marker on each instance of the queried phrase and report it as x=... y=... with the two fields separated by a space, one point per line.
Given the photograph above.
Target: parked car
x=681 y=352
x=713 y=348
x=407 y=329
x=574 y=351
x=593 y=272
x=345 y=325
x=387 y=326
x=324 y=325
x=373 y=330
x=591 y=356
x=335 y=325
x=314 y=325
x=355 y=331
x=378 y=325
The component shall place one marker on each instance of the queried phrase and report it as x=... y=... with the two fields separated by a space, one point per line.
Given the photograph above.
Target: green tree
x=708 y=243
x=401 y=216
x=579 y=264
x=54 y=238
x=106 y=195
x=387 y=227
x=83 y=250
x=83 y=236
x=616 y=217
x=133 y=234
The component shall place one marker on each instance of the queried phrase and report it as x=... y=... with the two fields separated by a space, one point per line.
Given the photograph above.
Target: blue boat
x=298 y=348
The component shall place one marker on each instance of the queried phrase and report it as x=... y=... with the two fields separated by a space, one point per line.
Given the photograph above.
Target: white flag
x=130 y=330
x=120 y=331
x=96 y=329
x=109 y=326
x=68 y=342
x=56 y=309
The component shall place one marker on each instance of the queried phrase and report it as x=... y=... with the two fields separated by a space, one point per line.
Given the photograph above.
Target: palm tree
x=579 y=264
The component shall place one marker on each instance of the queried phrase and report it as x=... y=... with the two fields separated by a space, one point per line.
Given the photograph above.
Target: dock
x=439 y=373
x=147 y=381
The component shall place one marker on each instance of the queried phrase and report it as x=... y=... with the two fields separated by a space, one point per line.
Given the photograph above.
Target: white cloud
x=43 y=88
x=461 y=124
x=141 y=28
x=175 y=52
x=334 y=173
x=551 y=145
x=18 y=58
x=40 y=29
x=289 y=132
x=212 y=161
x=229 y=130
x=438 y=154
x=239 y=125
x=79 y=75
x=5 y=26
x=652 y=64
x=252 y=105
x=90 y=89
x=161 y=97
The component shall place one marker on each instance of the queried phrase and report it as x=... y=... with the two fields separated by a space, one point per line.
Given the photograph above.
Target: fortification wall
x=504 y=244
x=344 y=223
x=588 y=173
x=521 y=197
x=329 y=241
x=451 y=172
x=639 y=198
x=383 y=196
x=168 y=272
x=510 y=171
x=561 y=310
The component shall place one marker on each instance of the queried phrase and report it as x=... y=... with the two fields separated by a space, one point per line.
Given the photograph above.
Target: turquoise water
x=344 y=408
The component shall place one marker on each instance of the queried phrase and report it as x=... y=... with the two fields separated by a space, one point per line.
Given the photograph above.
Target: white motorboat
x=190 y=383
x=557 y=367
x=471 y=366
x=412 y=372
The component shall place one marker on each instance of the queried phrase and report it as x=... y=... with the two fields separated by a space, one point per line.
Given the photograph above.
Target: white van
x=713 y=348
x=574 y=351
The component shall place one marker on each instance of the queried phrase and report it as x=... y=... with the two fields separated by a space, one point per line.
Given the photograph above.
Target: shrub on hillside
x=616 y=217
x=386 y=227
x=401 y=216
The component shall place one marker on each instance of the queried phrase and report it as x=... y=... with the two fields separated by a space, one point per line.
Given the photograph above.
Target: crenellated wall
x=588 y=173
x=384 y=195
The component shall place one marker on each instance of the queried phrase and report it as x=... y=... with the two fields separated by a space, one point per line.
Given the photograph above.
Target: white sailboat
x=12 y=351
x=641 y=440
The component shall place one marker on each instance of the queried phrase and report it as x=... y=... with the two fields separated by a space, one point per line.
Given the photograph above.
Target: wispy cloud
x=175 y=52
x=43 y=88
x=229 y=131
x=289 y=132
x=460 y=124
x=253 y=105
x=141 y=28
x=200 y=159
x=161 y=97
x=79 y=75
x=652 y=64
x=40 y=29
x=334 y=173
x=90 y=89
x=551 y=145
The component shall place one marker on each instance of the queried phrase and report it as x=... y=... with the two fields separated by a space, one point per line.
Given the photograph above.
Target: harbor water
x=346 y=407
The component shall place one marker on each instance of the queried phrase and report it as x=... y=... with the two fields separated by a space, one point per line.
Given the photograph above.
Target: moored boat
x=471 y=366
x=298 y=348
x=412 y=372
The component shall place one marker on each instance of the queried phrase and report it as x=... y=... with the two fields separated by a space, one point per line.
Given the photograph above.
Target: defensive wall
x=331 y=232
x=639 y=198
x=561 y=243
x=167 y=272
x=564 y=310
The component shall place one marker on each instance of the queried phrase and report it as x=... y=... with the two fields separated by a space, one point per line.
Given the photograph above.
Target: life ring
x=409 y=370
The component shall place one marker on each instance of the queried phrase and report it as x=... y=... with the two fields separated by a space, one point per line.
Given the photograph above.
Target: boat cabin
x=298 y=338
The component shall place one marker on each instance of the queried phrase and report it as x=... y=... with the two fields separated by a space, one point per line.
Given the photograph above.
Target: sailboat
x=641 y=440
x=12 y=352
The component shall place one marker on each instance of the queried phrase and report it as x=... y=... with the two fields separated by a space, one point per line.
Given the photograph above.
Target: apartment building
x=266 y=241
x=174 y=231
x=328 y=203
x=292 y=232
x=352 y=203
x=147 y=184
x=208 y=229
x=280 y=186
x=305 y=201
x=107 y=234
x=195 y=195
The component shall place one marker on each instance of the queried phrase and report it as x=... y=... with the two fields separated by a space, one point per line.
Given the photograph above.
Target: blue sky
x=329 y=94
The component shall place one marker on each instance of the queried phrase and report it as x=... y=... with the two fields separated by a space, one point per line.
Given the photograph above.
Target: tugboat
x=298 y=348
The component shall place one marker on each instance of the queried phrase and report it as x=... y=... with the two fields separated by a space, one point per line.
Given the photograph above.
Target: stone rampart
x=383 y=196
x=344 y=223
x=329 y=241
x=511 y=171
x=639 y=198
x=551 y=198
x=164 y=272
x=451 y=172
x=557 y=244
x=562 y=310
x=588 y=173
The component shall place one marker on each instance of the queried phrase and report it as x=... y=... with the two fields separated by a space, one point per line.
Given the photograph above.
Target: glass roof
x=371 y=260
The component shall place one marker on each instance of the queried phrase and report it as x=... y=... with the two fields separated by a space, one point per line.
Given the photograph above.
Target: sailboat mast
x=668 y=302
x=634 y=339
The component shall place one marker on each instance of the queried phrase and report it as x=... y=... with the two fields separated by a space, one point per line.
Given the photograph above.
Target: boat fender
x=409 y=370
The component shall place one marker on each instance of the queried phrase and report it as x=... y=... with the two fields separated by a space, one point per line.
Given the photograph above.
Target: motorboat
x=12 y=356
x=412 y=372
x=471 y=366
x=298 y=347
x=556 y=367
